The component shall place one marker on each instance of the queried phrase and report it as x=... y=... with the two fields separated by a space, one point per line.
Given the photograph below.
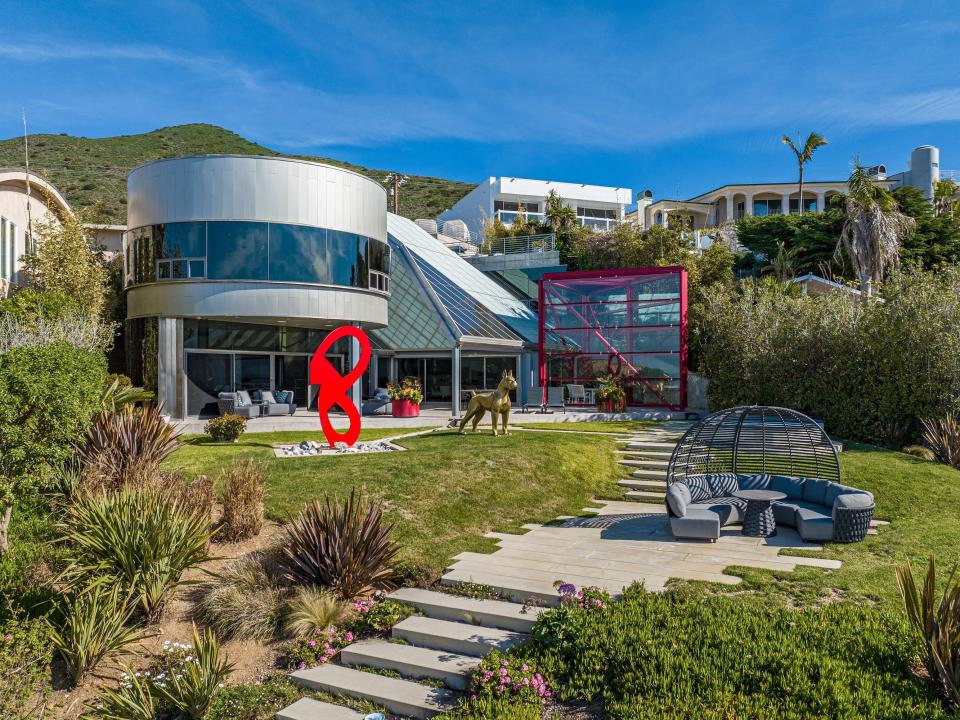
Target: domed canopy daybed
x=757 y=448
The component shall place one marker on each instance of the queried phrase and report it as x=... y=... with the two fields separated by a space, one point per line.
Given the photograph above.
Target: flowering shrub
x=377 y=616
x=559 y=628
x=588 y=598
x=501 y=676
x=407 y=389
x=319 y=648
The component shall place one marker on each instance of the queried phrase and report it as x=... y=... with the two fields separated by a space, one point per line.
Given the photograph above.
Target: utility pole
x=26 y=160
x=397 y=179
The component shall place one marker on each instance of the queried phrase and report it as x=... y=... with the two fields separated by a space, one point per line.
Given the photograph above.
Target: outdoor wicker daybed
x=772 y=449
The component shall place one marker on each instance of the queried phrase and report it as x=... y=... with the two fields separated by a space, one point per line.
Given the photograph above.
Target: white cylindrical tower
x=925 y=169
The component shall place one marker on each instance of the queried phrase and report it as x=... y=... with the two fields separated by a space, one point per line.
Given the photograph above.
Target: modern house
x=236 y=267
x=731 y=202
x=503 y=198
x=19 y=208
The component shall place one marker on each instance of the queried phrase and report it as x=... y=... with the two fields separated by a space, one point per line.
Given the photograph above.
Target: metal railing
x=516 y=245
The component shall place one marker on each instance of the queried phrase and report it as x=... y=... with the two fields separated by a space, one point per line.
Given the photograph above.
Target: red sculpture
x=334 y=386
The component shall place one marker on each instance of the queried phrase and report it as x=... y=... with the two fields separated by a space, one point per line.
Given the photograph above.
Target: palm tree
x=874 y=229
x=945 y=194
x=558 y=213
x=814 y=141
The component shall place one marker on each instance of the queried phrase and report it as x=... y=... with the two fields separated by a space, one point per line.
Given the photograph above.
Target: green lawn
x=446 y=492
x=617 y=427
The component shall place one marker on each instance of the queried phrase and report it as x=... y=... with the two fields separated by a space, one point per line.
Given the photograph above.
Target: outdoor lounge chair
x=762 y=448
x=534 y=399
x=578 y=394
x=237 y=403
x=271 y=405
x=555 y=399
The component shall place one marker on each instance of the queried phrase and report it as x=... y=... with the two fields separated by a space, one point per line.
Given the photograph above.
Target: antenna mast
x=26 y=159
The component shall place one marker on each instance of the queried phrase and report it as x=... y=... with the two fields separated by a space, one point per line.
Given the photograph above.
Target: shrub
x=919 y=451
x=942 y=436
x=318 y=648
x=346 y=548
x=687 y=654
x=937 y=623
x=47 y=394
x=141 y=541
x=182 y=683
x=24 y=666
x=312 y=608
x=119 y=391
x=259 y=701
x=195 y=494
x=226 y=428
x=377 y=615
x=243 y=501
x=94 y=626
x=501 y=676
x=126 y=446
x=558 y=628
x=242 y=602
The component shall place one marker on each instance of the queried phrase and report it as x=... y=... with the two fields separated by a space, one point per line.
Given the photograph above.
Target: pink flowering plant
x=560 y=627
x=319 y=647
x=588 y=598
x=500 y=676
x=377 y=616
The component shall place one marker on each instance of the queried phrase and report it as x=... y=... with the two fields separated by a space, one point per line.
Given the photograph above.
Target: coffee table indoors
x=758 y=518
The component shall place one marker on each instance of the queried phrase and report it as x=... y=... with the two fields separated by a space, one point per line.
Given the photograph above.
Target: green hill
x=93 y=171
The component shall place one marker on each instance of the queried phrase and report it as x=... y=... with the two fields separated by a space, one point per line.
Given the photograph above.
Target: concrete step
x=412 y=661
x=650 y=474
x=648 y=464
x=643 y=484
x=644 y=495
x=639 y=454
x=310 y=709
x=541 y=570
x=651 y=445
x=517 y=589
x=398 y=696
x=455 y=637
x=490 y=613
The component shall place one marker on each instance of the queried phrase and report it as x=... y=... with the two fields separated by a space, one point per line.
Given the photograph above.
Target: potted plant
x=610 y=395
x=406 y=397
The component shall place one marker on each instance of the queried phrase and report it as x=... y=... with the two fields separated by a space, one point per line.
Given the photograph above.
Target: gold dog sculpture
x=497 y=403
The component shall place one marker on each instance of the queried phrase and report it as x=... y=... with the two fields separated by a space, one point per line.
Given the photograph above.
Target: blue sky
x=678 y=97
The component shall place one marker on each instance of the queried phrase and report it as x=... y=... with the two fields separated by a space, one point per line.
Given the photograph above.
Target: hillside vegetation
x=92 y=172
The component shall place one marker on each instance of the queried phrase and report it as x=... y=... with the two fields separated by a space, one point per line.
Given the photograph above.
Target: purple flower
x=567 y=589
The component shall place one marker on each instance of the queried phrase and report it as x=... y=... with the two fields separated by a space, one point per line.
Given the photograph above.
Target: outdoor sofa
x=379 y=404
x=820 y=510
x=267 y=403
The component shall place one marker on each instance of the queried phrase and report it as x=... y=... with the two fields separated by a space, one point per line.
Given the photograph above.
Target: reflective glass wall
x=226 y=250
x=630 y=324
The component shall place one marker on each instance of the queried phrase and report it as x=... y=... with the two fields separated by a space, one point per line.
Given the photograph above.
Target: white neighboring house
x=596 y=206
x=729 y=203
x=17 y=212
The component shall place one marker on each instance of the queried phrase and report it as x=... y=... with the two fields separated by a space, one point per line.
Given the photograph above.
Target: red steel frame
x=606 y=274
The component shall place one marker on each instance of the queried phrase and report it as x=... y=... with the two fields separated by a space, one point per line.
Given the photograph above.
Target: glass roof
x=477 y=304
x=412 y=321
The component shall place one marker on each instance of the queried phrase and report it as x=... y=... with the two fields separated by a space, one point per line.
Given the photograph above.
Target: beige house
x=19 y=211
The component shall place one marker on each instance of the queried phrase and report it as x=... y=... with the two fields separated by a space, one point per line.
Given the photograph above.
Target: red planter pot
x=405 y=408
x=610 y=406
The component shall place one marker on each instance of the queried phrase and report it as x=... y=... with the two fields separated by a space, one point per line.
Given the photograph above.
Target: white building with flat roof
x=596 y=206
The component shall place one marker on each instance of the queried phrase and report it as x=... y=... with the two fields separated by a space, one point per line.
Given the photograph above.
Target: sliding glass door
x=208 y=374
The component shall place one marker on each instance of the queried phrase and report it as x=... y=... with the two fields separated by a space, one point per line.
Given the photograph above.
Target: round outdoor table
x=758 y=518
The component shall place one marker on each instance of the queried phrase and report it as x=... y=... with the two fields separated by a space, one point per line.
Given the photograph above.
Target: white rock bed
x=310 y=448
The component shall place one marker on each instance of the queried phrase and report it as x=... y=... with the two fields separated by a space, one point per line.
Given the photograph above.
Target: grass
x=616 y=427
x=92 y=172
x=445 y=493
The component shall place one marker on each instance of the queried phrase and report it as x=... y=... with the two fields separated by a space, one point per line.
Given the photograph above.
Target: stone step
x=548 y=573
x=650 y=474
x=310 y=709
x=398 y=696
x=412 y=661
x=638 y=454
x=643 y=484
x=643 y=495
x=648 y=464
x=455 y=637
x=490 y=613
x=651 y=445
x=517 y=589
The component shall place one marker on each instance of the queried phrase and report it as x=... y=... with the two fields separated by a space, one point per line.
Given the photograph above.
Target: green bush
x=93 y=626
x=373 y=616
x=226 y=428
x=47 y=396
x=254 y=702
x=685 y=654
x=136 y=539
x=24 y=666
x=870 y=370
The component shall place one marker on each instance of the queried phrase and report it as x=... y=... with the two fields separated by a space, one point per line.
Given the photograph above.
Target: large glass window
x=181 y=240
x=237 y=251
x=809 y=205
x=299 y=254
x=767 y=207
x=348 y=259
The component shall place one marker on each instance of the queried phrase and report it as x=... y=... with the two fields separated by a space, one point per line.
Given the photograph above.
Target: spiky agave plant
x=346 y=547
x=137 y=539
x=125 y=446
x=937 y=622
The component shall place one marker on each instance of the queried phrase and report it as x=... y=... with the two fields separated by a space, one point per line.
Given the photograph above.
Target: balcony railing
x=516 y=245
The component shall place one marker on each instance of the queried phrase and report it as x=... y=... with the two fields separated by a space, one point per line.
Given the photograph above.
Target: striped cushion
x=722 y=484
x=699 y=488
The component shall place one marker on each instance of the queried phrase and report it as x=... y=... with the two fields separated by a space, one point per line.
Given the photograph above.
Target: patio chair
x=534 y=399
x=237 y=403
x=379 y=404
x=578 y=395
x=271 y=405
x=555 y=399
